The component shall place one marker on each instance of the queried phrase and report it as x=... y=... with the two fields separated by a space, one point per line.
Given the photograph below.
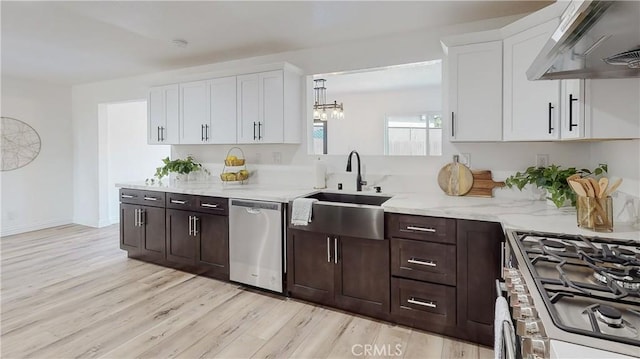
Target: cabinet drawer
x=146 y=198
x=420 y=302
x=212 y=205
x=431 y=229
x=426 y=261
x=181 y=201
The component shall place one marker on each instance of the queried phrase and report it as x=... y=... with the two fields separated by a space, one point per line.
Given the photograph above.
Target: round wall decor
x=20 y=144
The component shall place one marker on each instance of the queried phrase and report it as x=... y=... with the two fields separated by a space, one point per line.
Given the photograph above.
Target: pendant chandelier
x=321 y=109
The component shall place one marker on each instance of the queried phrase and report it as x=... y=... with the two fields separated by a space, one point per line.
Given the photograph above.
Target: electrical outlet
x=542 y=160
x=465 y=159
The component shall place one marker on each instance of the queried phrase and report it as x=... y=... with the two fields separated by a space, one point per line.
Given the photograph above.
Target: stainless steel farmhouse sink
x=344 y=214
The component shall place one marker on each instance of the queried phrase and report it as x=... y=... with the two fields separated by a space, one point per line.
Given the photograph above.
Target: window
x=414 y=134
x=320 y=137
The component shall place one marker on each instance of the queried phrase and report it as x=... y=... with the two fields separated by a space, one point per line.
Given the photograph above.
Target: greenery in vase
x=185 y=166
x=553 y=179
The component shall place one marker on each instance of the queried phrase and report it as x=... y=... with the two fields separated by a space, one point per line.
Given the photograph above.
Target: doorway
x=125 y=154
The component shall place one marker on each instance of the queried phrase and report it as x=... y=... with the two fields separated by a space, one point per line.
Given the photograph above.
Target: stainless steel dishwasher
x=255 y=243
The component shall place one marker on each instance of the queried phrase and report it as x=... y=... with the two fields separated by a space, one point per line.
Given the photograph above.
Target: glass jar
x=595 y=213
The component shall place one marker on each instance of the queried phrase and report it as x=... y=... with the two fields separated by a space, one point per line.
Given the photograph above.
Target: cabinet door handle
x=201 y=132
x=254 y=131
x=550 y=117
x=335 y=250
x=178 y=201
x=141 y=221
x=206 y=132
x=422 y=263
x=208 y=205
x=162 y=138
x=259 y=130
x=571 y=124
x=419 y=302
x=421 y=229
x=158 y=134
x=126 y=196
x=453 y=128
x=150 y=198
x=195 y=226
x=135 y=217
x=190 y=226
x=328 y=250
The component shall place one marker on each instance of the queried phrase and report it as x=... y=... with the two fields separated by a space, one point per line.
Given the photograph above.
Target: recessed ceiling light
x=180 y=42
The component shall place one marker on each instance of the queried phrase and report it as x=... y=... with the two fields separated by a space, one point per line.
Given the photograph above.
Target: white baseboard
x=22 y=228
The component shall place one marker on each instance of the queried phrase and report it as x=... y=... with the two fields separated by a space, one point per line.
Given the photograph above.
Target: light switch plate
x=542 y=160
x=465 y=159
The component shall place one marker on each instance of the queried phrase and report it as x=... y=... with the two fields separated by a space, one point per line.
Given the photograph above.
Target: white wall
x=363 y=127
x=40 y=194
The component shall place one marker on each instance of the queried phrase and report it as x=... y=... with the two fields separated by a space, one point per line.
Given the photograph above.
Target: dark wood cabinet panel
x=425 y=305
x=478 y=257
x=362 y=278
x=142 y=197
x=310 y=267
x=153 y=239
x=181 y=244
x=130 y=232
x=432 y=229
x=431 y=262
x=213 y=243
x=212 y=205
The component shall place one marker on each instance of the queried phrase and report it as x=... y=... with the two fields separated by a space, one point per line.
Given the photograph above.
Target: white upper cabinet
x=269 y=107
x=531 y=108
x=195 y=112
x=248 y=105
x=222 y=93
x=572 y=106
x=613 y=108
x=475 y=91
x=162 y=115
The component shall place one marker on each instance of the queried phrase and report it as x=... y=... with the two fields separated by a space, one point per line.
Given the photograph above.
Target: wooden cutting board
x=455 y=179
x=483 y=184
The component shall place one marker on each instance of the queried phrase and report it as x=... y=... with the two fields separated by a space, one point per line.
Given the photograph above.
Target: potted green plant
x=553 y=179
x=178 y=166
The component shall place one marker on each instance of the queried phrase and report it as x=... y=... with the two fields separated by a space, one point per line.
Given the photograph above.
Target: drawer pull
x=420 y=229
x=176 y=201
x=150 y=198
x=127 y=196
x=422 y=263
x=207 y=205
x=419 y=302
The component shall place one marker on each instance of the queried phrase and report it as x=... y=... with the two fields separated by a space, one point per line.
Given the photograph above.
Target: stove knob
x=510 y=272
x=518 y=288
x=525 y=311
x=510 y=282
x=529 y=327
x=519 y=299
x=534 y=347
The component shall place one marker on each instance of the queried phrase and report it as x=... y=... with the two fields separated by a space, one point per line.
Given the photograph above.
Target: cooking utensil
x=455 y=179
x=603 y=183
x=483 y=184
x=587 y=186
x=596 y=187
x=578 y=188
x=614 y=186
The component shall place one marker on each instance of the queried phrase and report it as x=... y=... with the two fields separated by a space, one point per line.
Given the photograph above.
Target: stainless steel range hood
x=595 y=39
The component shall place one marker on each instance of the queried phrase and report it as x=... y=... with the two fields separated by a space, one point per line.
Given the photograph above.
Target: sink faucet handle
x=364 y=183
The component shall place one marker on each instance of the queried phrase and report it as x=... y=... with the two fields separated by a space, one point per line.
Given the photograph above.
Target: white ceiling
x=84 y=41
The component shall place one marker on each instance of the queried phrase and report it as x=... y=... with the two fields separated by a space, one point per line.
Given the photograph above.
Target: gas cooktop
x=590 y=285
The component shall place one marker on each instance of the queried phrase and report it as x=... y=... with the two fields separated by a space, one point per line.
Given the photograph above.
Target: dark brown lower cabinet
x=422 y=304
x=344 y=272
x=142 y=231
x=198 y=239
x=478 y=262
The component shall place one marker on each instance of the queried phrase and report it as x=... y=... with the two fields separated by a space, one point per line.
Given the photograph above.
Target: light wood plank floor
x=70 y=292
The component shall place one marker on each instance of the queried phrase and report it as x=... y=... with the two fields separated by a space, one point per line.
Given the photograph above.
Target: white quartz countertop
x=513 y=214
x=272 y=193
x=518 y=214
